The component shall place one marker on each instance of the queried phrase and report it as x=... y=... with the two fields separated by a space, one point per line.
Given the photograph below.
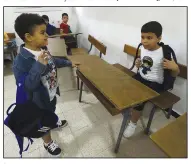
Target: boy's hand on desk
x=75 y=64
x=43 y=58
x=170 y=64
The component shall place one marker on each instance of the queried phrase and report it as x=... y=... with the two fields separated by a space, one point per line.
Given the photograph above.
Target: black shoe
x=53 y=149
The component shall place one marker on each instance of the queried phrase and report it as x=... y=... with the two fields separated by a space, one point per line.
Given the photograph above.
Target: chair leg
x=80 y=97
x=169 y=113
x=147 y=130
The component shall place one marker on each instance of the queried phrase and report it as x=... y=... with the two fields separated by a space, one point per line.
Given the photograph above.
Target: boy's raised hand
x=43 y=58
x=138 y=62
x=170 y=64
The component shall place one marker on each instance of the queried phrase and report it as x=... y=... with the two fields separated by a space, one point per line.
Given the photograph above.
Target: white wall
x=115 y=26
x=54 y=14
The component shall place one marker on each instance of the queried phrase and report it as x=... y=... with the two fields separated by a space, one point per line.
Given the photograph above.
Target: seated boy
x=64 y=27
x=151 y=67
x=50 y=29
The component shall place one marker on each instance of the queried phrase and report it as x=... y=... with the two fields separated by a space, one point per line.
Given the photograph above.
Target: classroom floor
x=92 y=131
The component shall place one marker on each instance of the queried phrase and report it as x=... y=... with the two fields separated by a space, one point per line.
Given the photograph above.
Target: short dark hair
x=152 y=26
x=64 y=14
x=45 y=17
x=26 y=22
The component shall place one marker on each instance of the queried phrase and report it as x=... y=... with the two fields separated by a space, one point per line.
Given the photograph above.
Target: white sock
x=59 y=122
x=132 y=123
x=46 y=144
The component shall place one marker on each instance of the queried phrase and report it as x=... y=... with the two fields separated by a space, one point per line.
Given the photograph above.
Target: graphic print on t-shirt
x=147 y=63
x=51 y=77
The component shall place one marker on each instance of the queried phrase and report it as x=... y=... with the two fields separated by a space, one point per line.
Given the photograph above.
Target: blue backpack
x=27 y=119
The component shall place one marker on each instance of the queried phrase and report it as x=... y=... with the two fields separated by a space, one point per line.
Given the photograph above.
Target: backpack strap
x=20 y=141
x=10 y=108
x=136 y=56
x=168 y=51
x=168 y=78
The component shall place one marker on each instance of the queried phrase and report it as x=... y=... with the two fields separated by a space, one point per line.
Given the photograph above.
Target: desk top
x=172 y=139
x=120 y=89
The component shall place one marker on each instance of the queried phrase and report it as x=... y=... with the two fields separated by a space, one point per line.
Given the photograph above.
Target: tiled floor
x=92 y=131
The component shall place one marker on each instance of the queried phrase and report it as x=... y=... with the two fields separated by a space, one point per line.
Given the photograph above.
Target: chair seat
x=165 y=100
x=124 y=69
x=78 y=51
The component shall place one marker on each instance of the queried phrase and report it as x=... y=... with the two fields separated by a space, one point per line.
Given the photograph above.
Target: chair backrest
x=130 y=50
x=11 y=36
x=100 y=46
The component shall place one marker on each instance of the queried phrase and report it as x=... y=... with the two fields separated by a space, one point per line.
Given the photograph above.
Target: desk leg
x=123 y=125
x=147 y=130
x=78 y=82
x=80 y=97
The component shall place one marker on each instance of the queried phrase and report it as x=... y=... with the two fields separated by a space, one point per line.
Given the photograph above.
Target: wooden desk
x=116 y=90
x=114 y=84
x=172 y=139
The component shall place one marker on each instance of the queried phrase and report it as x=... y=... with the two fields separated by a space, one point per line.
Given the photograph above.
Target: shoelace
x=59 y=123
x=132 y=126
x=53 y=146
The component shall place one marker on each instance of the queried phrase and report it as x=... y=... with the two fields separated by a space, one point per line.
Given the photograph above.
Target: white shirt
x=35 y=53
x=49 y=80
x=152 y=65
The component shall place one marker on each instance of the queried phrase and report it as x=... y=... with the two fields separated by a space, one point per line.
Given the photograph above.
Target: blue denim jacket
x=25 y=63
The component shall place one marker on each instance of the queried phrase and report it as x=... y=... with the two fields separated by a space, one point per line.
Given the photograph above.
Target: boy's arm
x=61 y=30
x=70 y=31
x=171 y=65
x=60 y=62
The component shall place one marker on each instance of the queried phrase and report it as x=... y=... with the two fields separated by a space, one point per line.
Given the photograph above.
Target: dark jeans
x=153 y=85
x=53 y=104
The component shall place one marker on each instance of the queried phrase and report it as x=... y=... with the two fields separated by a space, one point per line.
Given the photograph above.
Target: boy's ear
x=159 y=38
x=28 y=37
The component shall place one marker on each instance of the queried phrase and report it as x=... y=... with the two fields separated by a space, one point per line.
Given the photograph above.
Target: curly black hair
x=64 y=14
x=154 y=27
x=26 y=22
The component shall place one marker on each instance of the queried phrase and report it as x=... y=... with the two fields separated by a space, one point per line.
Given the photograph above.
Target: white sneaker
x=130 y=130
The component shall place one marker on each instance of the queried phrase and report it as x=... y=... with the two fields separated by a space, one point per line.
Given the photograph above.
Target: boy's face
x=39 y=38
x=65 y=19
x=150 y=40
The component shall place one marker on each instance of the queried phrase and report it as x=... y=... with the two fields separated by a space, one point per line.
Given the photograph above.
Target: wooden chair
x=11 y=50
x=166 y=99
x=11 y=36
x=94 y=42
